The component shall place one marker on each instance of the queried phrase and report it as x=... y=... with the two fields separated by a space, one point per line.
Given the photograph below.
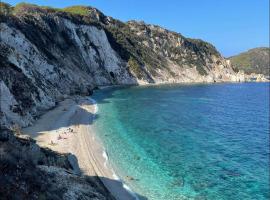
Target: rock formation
x=28 y=171
x=47 y=54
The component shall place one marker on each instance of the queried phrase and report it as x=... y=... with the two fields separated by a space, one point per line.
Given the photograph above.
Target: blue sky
x=232 y=26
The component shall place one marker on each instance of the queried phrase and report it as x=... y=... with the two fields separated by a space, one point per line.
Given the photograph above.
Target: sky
x=233 y=26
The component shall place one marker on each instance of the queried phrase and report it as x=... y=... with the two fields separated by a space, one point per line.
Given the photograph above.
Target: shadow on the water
x=107 y=93
x=117 y=189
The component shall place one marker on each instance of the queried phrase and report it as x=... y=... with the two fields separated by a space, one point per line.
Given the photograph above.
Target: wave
x=125 y=186
x=106 y=162
x=105 y=155
x=93 y=102
x=116 y=177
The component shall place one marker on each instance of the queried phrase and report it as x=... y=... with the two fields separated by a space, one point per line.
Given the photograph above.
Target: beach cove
x=188 y=152
x=68 y=129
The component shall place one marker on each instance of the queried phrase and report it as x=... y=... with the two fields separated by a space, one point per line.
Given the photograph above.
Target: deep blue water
x=208 y=141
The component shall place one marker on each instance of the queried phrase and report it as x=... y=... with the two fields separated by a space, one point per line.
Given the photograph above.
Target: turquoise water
x=188 y=142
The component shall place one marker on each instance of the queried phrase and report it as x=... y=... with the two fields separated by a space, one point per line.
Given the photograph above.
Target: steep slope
x=253 y=61
x=47 y=54
x=157 y=55
x=28 y=171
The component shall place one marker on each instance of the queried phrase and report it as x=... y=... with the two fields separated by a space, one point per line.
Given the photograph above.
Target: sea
x=188 y=141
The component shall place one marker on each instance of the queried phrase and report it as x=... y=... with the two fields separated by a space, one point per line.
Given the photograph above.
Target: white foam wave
x=105 y=156
x=95 y=105
x=128 y=189
x=96 y=109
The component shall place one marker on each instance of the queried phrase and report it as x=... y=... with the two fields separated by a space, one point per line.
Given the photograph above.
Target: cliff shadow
x=65 y=117
x=47 y=174
x=117 y=190
x=61 y=121
x=104 y=94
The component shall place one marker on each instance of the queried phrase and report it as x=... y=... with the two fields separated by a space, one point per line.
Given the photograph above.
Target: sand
x=68 y=129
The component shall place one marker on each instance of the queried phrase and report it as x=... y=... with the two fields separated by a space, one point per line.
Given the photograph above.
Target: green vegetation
x=204 y=46
x=5 y=8
x=135 y=67
x=253 y=61
x=201 y=70
x=23 y=7
x=77 y=10
x=127 y=44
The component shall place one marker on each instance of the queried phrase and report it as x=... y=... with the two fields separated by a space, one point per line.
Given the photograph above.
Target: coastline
x=78 y=114
x=68 y=129
x=142 y=84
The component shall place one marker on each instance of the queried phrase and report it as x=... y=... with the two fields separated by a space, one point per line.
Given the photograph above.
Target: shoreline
x=68 y=128
x=78 y=114
x=176 y=83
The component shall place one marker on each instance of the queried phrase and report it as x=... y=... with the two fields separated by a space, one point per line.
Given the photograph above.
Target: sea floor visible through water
x=174 y=142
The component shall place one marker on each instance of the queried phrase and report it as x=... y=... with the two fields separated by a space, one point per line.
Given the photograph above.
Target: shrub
x=79 y=10
x=26 y=7
x=135 y=67
x=49 y=9
x=200 y=45
x=5 y=8
x=32 y=8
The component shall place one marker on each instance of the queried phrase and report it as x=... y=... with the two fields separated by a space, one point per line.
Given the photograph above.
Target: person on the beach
x=59 y=137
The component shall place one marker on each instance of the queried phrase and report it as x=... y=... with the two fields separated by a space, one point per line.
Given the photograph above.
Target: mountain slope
x=47 y=54
x=253 y=61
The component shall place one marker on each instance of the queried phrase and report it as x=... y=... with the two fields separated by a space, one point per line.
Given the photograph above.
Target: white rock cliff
x=45 y=57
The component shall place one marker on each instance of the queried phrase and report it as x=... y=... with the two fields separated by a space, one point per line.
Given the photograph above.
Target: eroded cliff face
x=46 y=56
x=184 y=59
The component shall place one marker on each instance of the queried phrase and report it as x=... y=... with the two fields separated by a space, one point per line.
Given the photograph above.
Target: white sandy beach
x=67 y=129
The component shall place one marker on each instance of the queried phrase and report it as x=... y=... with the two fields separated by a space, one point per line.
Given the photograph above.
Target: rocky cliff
x=30 y=172
x=47 y=54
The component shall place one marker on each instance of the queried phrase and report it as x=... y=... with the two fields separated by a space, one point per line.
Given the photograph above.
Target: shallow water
x=188 y=141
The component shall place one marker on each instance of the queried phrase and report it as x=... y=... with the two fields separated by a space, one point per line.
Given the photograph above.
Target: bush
x=5 y=8
x=32 y=8
x=26 y=7
x=200 y=45
x=135 y=67
x=49 y=9
x=78 y=10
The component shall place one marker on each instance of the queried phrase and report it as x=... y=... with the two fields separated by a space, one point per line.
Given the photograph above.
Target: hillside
x=253 y=61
